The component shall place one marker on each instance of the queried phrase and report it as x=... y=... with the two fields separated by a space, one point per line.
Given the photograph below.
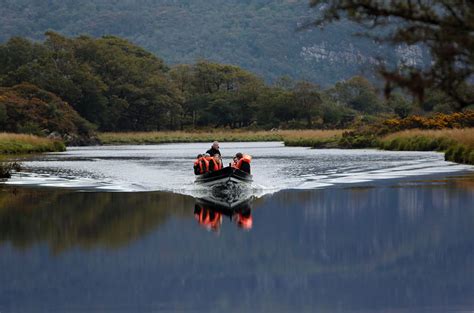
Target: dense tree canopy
x=445 y=27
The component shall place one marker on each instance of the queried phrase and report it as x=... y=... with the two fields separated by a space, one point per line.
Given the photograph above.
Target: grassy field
x=24 y=144
x=458 y=144
x=290 y=137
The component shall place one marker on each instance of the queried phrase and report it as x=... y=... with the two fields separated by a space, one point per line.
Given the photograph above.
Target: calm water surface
x=328 y=231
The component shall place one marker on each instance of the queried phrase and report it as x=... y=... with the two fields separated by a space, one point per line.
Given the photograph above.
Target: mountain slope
x=258 y=35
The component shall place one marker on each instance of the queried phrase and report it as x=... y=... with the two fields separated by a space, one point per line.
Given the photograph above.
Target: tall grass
x=23 y=144
x=312 y=138
x=457 y=143
x=290 y=137
x=461 y=135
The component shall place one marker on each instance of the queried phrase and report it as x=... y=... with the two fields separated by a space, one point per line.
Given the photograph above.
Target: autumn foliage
x=26 y=108
x=437 y=121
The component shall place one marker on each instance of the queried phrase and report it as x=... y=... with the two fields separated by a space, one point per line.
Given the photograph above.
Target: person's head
x=239 y=156
x=216 y=157
x=215 y=145
x=199 y=156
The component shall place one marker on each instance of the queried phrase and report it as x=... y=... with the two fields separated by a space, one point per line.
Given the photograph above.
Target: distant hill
x=258 y=35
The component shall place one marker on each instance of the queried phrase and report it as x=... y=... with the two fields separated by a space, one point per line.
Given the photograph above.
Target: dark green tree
x=307 y=100
x=356 y=93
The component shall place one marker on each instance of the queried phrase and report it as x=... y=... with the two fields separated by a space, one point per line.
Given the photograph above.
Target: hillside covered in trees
x=257 y=35
x=117 y=86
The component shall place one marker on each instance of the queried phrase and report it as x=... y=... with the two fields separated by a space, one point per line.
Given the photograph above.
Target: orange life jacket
x=245 y=158
x=234 y=164
x=203 y=165
x=215 y=166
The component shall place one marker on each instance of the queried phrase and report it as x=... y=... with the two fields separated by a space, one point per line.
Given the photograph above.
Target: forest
x=258 y=35
x=77 y=85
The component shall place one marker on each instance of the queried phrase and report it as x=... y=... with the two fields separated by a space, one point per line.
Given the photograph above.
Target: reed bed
x=312 y=138
x=24 y=144
x=292 y=137
x=458 y=144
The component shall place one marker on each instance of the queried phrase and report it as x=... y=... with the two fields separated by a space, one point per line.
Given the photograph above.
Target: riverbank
x=458 y=144
x=19 y=144
x=26 y=144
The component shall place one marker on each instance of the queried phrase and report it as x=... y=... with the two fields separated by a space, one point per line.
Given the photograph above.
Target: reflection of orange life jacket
x=208 y=220
x=245 y=222
x=245 y=158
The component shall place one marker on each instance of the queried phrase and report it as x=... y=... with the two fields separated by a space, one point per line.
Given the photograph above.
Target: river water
x=124 y=229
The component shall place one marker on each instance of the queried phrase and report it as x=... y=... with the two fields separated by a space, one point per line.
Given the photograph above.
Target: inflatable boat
x=226 y=175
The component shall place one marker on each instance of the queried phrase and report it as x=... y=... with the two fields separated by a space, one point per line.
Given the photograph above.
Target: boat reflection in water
x=210 y=211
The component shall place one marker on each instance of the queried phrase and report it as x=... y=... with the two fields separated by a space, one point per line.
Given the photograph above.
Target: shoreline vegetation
x=14 y=144
x=158 y=137
x=20 y=144
x=457 y=144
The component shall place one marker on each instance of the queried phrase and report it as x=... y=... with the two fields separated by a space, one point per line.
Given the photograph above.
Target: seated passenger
x=243 y=162
x=234 y=162
x=215 y=163
x=201 y=165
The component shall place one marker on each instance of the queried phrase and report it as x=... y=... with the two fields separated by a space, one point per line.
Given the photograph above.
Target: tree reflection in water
x=64 y=219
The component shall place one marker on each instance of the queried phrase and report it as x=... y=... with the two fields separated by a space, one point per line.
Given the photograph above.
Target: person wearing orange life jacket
x=201 y=165
x=234 y=162
x=243 y=162
x=215 y=163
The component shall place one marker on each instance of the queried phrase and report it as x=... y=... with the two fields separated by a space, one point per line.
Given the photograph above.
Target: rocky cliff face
x=410 y=56
x=325 y=53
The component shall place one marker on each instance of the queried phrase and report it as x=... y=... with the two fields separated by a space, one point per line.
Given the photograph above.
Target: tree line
x=118 y=86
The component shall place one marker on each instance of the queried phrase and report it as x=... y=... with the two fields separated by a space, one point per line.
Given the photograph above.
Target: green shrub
x=6 y=168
